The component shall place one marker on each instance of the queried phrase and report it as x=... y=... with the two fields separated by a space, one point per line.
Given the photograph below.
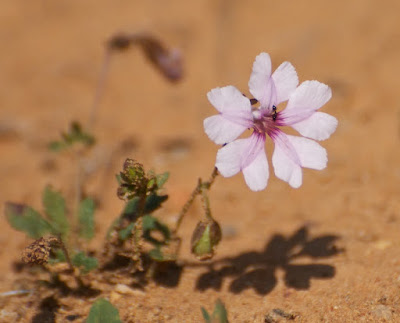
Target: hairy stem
x=69 y=262
x=206 y=204
x=137 y=234
x=197 y=190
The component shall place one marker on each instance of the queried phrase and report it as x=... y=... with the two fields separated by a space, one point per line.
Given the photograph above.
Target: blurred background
x=50 y=61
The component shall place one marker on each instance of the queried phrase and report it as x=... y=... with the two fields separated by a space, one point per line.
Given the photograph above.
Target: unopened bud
x=205 y=238
x=133 y=180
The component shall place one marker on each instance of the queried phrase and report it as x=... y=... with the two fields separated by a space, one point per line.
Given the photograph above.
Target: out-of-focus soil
x=347 y=216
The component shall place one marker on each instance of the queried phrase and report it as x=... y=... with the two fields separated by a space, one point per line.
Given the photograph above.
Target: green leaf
x=23 y=218
x=153 y=202
x=86 y=218
x=150 y=223
x=126 y=233
x=84 y=263
x=206 y=316
x=57 y=146
x=118 y=178
x=57 y=257
x=54 y=205
x=102 y=311
x=131 y=206
x=220 y=314
x=74 y=135
x=162 y=179
x=156 y=254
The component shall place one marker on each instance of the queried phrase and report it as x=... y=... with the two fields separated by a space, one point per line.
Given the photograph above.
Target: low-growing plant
x=137 y=236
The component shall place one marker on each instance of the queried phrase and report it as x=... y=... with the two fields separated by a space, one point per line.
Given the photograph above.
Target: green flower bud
x=205 y=238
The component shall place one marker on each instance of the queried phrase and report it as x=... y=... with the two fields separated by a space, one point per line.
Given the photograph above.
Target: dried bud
x=205 y=238
x=133 y=171
x=133 y=180
x=38 y=252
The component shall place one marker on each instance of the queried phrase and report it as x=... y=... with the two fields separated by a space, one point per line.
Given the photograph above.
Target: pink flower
x=291 y=152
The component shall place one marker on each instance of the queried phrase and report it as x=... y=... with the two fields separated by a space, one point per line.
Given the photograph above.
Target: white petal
x=285 y=167
x=318 y=126
x=311 y=154
x=234 y=118
x=291 y=153
x=307 y=98
x=228 y=158
x=286 y=81
x=238 y=155
x=256 y=174
x=229 y=99
x=221 y=130
x=261 y=84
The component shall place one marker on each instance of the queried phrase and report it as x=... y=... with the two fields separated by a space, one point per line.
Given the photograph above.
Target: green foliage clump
x=102 y=311
x=219 y=315
x=75 y=135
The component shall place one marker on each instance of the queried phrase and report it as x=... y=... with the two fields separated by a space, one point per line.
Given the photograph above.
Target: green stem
x=69 y=262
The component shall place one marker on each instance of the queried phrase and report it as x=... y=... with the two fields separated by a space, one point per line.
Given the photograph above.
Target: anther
x=274 y=113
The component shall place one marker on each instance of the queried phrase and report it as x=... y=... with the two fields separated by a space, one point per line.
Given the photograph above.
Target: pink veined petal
x=234 y=118
x=291 y=153
x=285 y=161
x=261 y=85
x=239 y=154
x=318 y=126
x=229 y=100
x=304 y=101
x=286 y=81
x=221 y=130
x=256 y=174
x=311 y=154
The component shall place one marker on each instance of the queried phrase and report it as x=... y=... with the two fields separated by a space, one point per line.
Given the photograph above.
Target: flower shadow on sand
x=257 y=270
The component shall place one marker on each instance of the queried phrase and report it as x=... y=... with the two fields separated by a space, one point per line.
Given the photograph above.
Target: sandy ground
x=346 y=217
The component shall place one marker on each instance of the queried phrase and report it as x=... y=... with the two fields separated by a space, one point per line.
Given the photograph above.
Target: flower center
x=266 y=122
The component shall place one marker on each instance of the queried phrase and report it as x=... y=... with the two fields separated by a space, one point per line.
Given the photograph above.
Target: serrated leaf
x=162 y=179
x=206 y=316
x=86 y=218
x=54 y=205
x=220 y=314
x=23 y=218
x=102 y=311
x=84 y=262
